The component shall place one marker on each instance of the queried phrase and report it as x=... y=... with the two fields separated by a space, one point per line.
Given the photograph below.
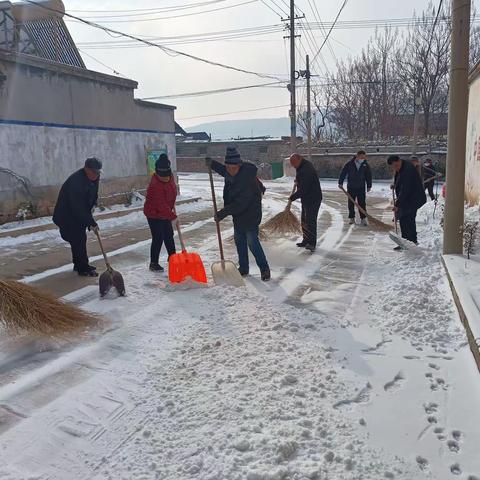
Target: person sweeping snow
x=242 y=198
x=159 y=209
x=73 y=213
x=309 y=192
x=359 y=182
x=410 y=196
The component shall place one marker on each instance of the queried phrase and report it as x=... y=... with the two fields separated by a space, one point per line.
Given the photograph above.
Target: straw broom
x=373 y=220
x=284 y=223
x=24 y=308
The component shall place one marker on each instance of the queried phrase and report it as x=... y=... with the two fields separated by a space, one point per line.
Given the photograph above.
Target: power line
x=116 y=72
x=272 y=9
x=211 y=92
x=143 y=9
x=231 y=113
x=178 y=16
x=167 y=50
x=331 y=28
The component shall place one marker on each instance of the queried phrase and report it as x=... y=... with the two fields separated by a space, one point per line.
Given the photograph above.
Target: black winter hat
x=163 y=166
x=232 y=157
x=94 y=164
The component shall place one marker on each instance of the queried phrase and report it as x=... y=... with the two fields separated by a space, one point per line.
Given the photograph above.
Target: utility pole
x=293 y=99
x=457 y=128
x=309 y=112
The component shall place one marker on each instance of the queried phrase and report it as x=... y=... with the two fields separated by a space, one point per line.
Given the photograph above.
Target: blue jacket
x=357 y=178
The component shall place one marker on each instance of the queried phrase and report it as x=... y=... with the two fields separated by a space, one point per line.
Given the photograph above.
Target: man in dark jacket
x=429 y=177
x=359 y=181
x=242 y=198
x=309 y=192
x=73 y=213
x=410 y=196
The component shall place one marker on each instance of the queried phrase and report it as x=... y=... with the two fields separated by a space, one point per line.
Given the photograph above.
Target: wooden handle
x=180 y=235
x=354 y=201
x=215 y=210
x=289 y=203
x=102 y=249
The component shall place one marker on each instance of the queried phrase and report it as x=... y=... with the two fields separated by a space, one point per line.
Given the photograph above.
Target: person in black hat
x=159 y=209
x=242 y=198
x=410 y=196
x=73 y=212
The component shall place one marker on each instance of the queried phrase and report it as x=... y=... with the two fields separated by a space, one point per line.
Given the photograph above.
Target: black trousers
x=360 y=196
x=429 y=188
x=77 y=238
x=408 y=225
x=162 y=232
x=309 y=223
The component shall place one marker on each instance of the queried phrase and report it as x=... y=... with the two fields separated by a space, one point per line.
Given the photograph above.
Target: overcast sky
x=161 y=74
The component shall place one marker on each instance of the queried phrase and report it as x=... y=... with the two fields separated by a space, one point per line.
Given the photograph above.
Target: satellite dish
x=28 y=12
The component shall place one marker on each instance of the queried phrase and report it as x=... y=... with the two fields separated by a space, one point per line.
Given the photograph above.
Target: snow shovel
x=185 y=265
x=224 y=272
x=110 y=278
x=374 y=220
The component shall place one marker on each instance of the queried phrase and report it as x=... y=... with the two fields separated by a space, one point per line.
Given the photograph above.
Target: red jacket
x=161 y=199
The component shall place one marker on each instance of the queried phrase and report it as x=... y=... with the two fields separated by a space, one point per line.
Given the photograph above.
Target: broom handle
x=289 y=204
x=215 y=210
x=102 y=249
x=179 y=231
x=354 y=201
x=394 y=211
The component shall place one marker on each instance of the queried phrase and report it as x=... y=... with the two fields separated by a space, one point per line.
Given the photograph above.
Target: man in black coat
x=359 y=181
x=410 y=195
x=309 y=192
x=73 y=212
x=242 y=198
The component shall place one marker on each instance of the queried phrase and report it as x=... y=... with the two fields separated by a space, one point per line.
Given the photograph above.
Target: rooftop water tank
x=24 y=11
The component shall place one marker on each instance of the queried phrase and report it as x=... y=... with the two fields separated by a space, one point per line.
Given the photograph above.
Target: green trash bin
x=277 y=170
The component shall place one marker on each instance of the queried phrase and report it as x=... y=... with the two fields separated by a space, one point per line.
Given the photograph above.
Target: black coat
x=75 y=202
x=356 y=178
x=308 y=190
x=409 y=189
x=242 y=197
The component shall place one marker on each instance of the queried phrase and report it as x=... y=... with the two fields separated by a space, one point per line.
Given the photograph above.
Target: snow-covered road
x=350 y=364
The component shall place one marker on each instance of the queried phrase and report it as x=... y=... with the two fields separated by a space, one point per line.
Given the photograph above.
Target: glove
x=94 y=228
x=369 y=190
x=215 y=217
x=340 y=186
x=208 y=162
x=291 y=198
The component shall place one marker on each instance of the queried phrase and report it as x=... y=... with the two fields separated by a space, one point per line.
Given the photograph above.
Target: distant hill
x=258 y=127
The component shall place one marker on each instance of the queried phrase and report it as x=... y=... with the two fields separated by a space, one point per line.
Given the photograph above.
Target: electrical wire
x=142 y=9
x=331 y=28
x=116 y=72
x=231 y=113
x=105 y=22
x=211 y=92
x=167 y=50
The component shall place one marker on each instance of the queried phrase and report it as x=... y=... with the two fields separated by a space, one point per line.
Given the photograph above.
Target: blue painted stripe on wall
x=80 y=127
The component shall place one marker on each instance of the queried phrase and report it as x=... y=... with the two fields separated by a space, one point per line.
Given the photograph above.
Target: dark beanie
x=232 y=157
x=163 y=166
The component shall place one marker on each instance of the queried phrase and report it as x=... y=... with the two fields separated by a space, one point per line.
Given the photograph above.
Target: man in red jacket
x=160 y=211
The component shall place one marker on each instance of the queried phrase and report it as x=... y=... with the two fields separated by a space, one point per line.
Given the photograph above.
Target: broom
x=372 y=219
x=284 y=223
x=24 y=308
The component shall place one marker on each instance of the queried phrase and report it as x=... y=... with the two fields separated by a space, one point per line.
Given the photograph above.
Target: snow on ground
x=350 y=364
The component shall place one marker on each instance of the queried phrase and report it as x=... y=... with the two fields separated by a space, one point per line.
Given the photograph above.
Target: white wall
x=472 y=179
x=48 y=155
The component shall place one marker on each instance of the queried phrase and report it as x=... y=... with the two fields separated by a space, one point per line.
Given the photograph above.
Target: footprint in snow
x=455 y=469
x=434 y=366
x=457 y=435
x=396 y=382
x=431 y=408
x=422 y=463
x=453 y=446
x=362 y=396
